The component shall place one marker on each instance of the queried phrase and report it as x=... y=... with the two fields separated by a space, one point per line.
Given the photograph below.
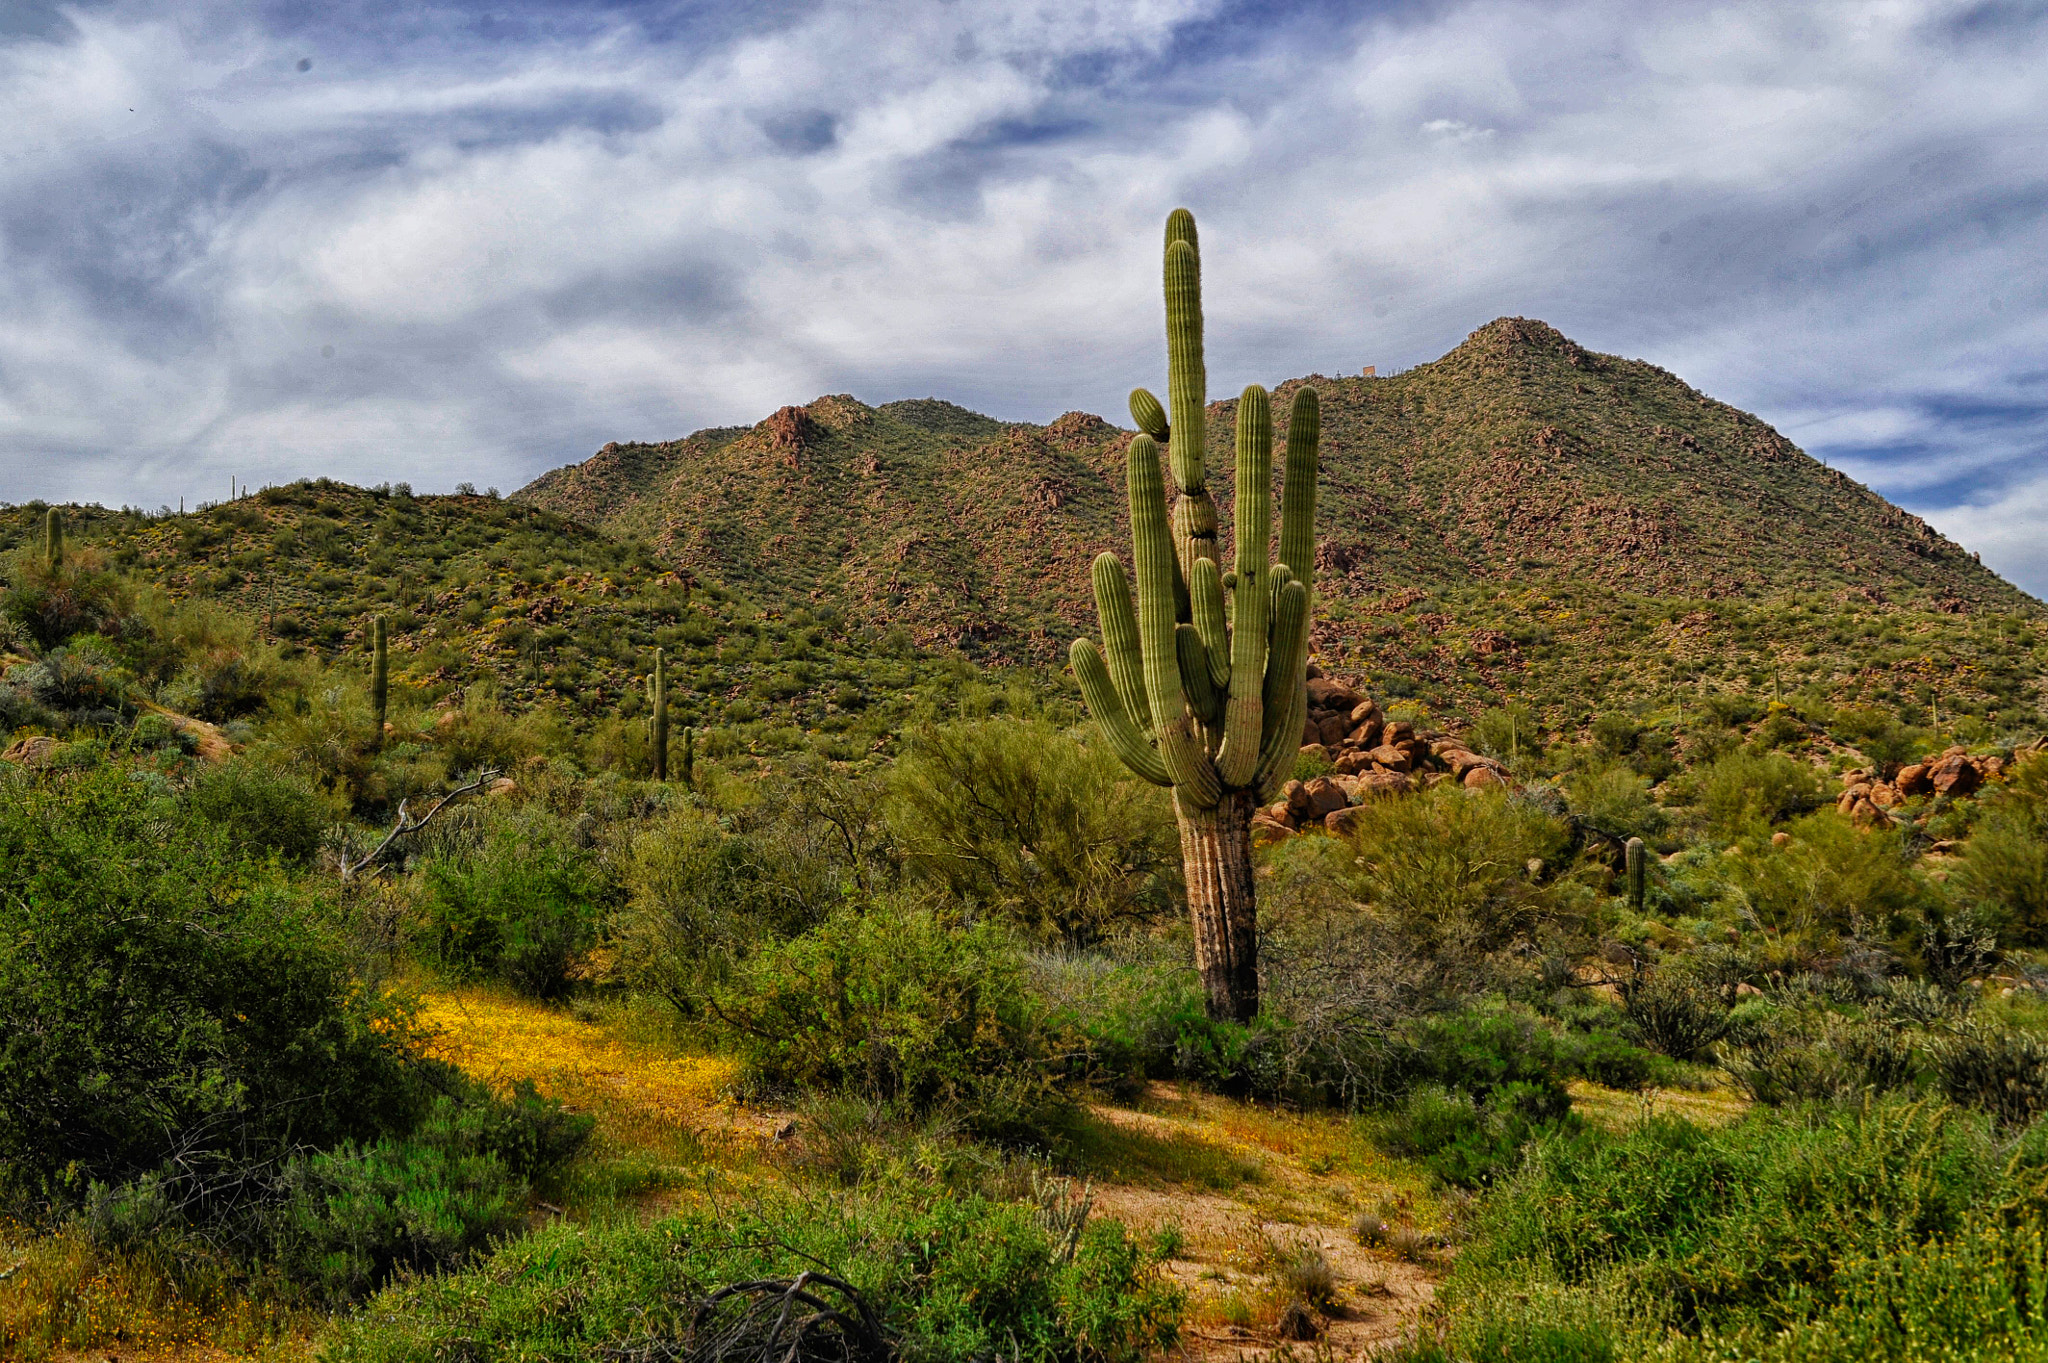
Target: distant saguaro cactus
x=53 y=538
x=380 y=680
x=659 y=684
x=689 y=756
x=1208 y=702
x=1637 y=869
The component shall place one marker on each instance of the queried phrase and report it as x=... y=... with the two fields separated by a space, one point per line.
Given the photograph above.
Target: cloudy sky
x=439 y=242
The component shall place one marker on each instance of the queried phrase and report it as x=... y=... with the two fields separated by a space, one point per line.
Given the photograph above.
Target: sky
x=468 y=242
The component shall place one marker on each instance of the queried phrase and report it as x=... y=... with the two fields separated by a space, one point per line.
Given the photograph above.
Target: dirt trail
x=1301 y=1181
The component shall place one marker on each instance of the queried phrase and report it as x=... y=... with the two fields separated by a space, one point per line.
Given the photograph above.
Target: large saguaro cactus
x=380 y=680
x=658 y=686
x=1208 y=700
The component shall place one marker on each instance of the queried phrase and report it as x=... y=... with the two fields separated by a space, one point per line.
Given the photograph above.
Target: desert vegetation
x=432 y=928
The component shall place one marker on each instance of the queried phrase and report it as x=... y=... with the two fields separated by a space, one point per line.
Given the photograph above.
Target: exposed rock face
x=790 y=432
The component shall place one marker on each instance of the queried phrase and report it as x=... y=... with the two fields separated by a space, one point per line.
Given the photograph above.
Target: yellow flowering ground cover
x=639 y=1095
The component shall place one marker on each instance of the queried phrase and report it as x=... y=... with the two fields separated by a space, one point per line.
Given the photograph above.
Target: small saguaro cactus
x=1637 y=869
x=659 y=685
x=53 y=538
x=689 y=756
x=380 y=680
x=1206 y=700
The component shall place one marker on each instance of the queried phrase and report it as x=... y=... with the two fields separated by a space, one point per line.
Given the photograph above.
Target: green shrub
x=261 y=810
x=1675 y=1013
x=522 y=909
x=1447 y=868
x=157 y=994
x=1794 y=1057
x=1998 y=1069
x=1900 y=1231
x=1467 y=1141
x=945 y=1278
x=1016 y=818
x=329 y=1226
x=1831 y=879
x=1743 y=788
x=900 y=1005
x=2004 y=867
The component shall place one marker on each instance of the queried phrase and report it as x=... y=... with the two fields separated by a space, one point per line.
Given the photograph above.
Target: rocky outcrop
x=1869 y=799
x=1370 y=757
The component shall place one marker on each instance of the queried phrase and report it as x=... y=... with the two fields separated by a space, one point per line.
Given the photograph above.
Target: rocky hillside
x=1521 y=517
x=1518 y=457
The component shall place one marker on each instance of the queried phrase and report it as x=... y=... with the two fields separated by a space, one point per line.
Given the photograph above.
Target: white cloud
x=518 y=252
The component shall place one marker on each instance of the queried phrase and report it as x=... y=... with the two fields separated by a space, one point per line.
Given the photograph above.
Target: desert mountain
x=1518 y=458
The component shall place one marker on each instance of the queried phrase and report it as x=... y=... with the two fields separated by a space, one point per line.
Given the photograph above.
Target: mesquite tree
x=1204 y=685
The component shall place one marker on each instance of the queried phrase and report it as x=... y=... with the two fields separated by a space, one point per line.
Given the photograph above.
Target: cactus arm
x=1120 y=637
x=1150 y=416
x=1112 y=715
x=1243 y=726
x=1193 y=656
x=1187 y=378
x=1286 y=694
x=1210 y=622
x=1298 y=487
x=1152 y=555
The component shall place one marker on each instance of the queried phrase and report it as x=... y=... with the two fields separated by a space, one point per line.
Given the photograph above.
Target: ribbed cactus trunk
x=1197 y=691
x=660 y=736
x=1636 y=866
x=689 y=756
x=380 y=681
x=53 y=538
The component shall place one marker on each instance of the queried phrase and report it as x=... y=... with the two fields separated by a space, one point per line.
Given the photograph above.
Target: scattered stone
x=1324 y=797
x=504 y=785
x=1343 y=821
x=1912 y=780
x=1780 y=839
x=1479 y=778
x=1392 y=758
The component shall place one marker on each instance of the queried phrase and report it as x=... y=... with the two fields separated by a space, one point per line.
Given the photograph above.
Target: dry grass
x=1617 y=1111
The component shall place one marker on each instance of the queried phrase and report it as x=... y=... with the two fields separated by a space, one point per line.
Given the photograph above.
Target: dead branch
x=407 y=824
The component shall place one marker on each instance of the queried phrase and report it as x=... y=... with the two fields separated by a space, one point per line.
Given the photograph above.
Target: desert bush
x=520 y=910
x=901 y=1005
x=81 y=683
x=261 y=810
x=2004 y=867
x=1829 y=880
x=1901 y=1231
x=1675 y=1012
x=1998 y=1069
x=1448 y=868
x=51 y=605
x=1743 y=788
x=1792 y=1056
x=160 y=996
x=753 y=865
x=1616 y=801
x=1470 y=1141
x=943 y=1276
x=1016 y=818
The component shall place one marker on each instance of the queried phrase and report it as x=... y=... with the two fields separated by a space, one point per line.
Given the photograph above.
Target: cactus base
x=1216 y=856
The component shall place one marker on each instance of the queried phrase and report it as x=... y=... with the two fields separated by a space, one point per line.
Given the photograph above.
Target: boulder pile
x=1369 y=756
x=1869 y=799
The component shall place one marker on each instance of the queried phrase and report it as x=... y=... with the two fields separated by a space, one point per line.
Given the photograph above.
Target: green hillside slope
x=1522 y=519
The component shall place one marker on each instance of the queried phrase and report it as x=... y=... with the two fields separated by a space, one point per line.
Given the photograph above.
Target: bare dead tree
x=407 y=824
